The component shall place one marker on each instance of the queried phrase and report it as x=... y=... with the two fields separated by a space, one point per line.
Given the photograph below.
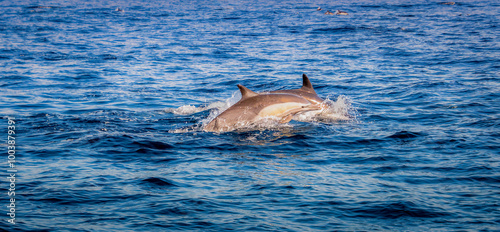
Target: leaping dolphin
x=253 y=107
x=307 y=91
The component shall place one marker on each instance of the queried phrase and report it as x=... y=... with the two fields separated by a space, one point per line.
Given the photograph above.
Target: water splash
x=331 y=112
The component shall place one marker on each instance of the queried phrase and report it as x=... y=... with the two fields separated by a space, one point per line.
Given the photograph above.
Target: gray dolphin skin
x=307 y=91
x=253 y=107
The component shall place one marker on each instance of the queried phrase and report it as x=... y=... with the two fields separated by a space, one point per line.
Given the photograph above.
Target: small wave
x=397 y=210
x=404 y=135
x=159 y=182
x=188 y=129
x=54 y=56
x=41 y=7
x=154 y=145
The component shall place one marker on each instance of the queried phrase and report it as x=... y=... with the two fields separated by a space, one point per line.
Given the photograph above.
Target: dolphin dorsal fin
x=306 y=84
x=246 y=93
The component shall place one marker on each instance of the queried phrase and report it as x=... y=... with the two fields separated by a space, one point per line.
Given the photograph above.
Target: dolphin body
x=253 y=107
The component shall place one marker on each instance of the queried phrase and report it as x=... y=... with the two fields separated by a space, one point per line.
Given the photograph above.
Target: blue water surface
x=109 y=98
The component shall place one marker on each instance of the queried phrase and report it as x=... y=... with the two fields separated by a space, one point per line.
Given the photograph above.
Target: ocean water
x=109 y=99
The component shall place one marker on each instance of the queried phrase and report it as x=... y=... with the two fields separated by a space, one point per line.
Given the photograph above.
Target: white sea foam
x=190 y=109
x=333 y=111
x=219 y=106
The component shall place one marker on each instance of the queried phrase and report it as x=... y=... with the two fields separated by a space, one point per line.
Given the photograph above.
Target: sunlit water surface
x=110 y=99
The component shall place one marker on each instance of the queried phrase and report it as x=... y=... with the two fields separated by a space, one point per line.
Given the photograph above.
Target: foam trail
x=220 y=106
x=215 y=107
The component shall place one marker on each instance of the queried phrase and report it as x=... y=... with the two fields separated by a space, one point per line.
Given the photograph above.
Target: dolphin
x=307 y=91
x=253 y=107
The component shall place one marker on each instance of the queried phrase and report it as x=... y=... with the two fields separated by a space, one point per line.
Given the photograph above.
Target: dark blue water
x=109 y=104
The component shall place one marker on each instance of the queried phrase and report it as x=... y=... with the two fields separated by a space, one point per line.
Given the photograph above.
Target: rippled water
x=109 y=98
